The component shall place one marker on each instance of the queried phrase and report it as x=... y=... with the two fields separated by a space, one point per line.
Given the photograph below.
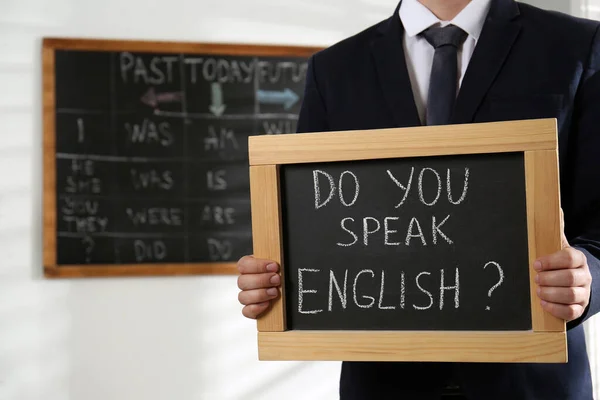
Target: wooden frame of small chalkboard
x=50 y=48
x=536 y=140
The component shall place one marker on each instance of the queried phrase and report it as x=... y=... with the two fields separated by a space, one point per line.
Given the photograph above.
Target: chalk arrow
x=217 y=107
x=152 y=99
x=149 y=98
x=287 y=97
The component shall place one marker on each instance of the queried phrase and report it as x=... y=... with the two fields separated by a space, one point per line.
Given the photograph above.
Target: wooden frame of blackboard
x=49 y=46
x=537 y=139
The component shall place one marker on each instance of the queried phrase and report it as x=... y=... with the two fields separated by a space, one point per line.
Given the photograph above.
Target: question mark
x=501 y=273
x=89 y=246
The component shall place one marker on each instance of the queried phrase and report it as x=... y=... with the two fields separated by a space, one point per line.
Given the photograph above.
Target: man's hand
x=564 y=282
x=258 y=282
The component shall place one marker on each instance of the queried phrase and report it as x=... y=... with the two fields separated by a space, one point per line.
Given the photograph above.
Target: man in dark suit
x=460 y=61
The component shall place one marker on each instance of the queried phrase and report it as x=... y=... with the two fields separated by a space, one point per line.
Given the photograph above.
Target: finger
x=251 y=265
x=258 y=281
x=566 y=312
x=564 y=278
x=257 y=296
x=561 y=295
x=563 y=259
x=254 y=310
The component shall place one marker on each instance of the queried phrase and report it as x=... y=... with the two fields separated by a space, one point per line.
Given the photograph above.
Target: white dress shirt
x=419 y=53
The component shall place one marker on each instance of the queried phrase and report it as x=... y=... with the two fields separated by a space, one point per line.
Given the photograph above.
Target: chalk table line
x=159 y=235
x=180 y=114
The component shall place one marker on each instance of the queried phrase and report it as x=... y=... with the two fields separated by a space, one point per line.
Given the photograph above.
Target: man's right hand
x=258 y=282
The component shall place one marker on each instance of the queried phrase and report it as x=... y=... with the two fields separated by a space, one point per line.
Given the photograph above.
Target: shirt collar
x=416 y=17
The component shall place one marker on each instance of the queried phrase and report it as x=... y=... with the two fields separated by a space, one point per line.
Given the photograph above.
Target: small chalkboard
x=146 y=151
x=406 y=234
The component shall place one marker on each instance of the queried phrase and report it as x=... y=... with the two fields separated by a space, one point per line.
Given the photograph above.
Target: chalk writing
x=220 y=139
x=342 y=295
x=407 y=244
x=151 y=179
x=215 y=180
x=371 y=226
x=85 y=224
x=278 y=127
x=149 y=132
x=158 y=70
x=151 y=152
x=155 y=250
x=219 y=215
x=369 y=289
x=302 y=291
x=155 y=216
x=83 y=185
x=219 y=250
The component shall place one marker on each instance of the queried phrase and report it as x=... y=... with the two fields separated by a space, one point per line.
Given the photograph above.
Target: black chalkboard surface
x=150 y=148
x=432 y=243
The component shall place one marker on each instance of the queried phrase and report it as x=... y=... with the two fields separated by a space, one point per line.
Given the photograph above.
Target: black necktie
x=444 y=72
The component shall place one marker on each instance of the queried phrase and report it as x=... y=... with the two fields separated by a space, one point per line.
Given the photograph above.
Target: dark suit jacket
x=528 y=63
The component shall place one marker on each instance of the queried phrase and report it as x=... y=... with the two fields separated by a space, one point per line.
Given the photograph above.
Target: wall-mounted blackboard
x=146 y=166
x=413 y=244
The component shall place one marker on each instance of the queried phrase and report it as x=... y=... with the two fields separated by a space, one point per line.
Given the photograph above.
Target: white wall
x=558 y=5
x=588 y=8
x=134 y=339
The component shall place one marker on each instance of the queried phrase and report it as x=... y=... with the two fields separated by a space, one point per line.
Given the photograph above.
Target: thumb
x=564 y=243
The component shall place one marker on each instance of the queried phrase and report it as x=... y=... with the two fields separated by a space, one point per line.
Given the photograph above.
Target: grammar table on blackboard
x=151 y=152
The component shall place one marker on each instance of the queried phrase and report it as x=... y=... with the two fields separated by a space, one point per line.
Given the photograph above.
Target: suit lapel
x=388 y=54
x=497 y=38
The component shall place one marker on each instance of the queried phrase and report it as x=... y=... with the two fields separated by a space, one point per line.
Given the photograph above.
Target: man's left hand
x=564 y=282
